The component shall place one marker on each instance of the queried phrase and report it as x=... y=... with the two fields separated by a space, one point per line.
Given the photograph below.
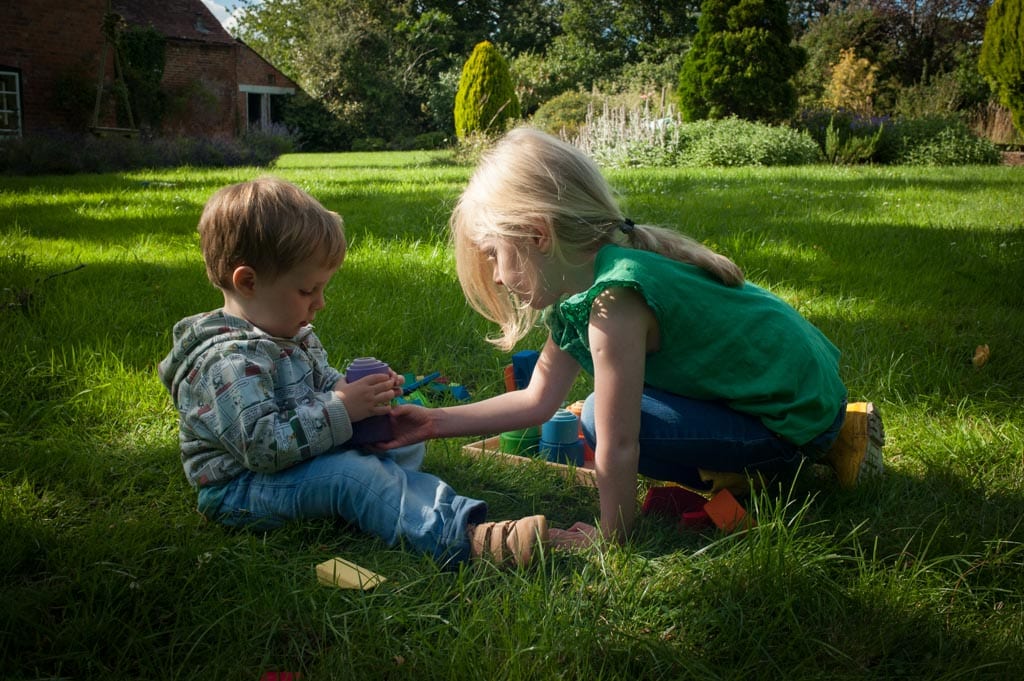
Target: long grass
x=108 y=572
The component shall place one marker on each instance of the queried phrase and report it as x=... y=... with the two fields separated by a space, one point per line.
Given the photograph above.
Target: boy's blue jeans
x=384 y=494
x=678 y=435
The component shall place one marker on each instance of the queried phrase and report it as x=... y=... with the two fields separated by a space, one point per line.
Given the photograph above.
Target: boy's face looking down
x=282 y=306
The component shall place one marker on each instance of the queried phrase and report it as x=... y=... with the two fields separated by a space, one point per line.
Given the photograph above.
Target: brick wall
x=253 y=70
x=56 y=48
x=200 y=80
x=57 y=51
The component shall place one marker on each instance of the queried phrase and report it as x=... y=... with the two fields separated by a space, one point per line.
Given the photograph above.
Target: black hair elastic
x=627 y=226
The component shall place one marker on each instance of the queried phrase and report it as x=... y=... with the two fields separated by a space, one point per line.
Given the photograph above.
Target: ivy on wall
x=143 y=53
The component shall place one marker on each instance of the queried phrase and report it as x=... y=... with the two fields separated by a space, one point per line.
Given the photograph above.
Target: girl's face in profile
x=523 y=269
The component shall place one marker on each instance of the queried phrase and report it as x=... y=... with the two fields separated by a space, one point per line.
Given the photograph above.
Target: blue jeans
x=383 y=494
x=678 y=435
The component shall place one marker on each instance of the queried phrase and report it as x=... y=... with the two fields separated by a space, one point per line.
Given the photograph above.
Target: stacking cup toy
x=588 y=451
x=560 y=439
x=373 y=428
x=521 y=442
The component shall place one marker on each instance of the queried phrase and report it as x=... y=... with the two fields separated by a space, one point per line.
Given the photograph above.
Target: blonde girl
x=694 y=367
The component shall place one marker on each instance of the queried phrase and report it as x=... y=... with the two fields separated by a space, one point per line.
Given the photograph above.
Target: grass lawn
x=107 y=571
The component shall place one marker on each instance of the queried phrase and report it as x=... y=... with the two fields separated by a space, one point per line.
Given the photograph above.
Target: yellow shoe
x=737 y=483
x=857 y=452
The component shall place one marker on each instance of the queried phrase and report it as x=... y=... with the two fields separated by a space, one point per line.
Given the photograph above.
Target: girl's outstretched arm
x=552 y=378
x=623 y=331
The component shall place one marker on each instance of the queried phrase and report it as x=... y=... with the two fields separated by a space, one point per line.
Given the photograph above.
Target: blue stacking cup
x=563 y=453
x=562 y=429
x=560 y=438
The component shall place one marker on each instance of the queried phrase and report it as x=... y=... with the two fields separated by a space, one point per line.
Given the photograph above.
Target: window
x=263 y=104
x=10 y=103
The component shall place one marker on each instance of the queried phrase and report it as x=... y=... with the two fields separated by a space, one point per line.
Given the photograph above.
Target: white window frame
x=265 y=91
x=10 y=103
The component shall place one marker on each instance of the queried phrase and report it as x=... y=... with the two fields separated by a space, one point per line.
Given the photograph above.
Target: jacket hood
x=194 y=336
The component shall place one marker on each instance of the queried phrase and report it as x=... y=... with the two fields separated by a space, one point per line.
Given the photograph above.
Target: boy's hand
x=369 y=396
x=339 y=385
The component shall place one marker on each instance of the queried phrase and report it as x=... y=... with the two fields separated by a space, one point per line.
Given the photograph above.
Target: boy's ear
x=243 y=279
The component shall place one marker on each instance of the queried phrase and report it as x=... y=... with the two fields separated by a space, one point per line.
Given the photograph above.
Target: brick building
x=54 y=57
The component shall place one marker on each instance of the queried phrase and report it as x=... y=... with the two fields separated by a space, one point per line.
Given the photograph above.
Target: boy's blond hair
x=532 y=179
x=270 y=225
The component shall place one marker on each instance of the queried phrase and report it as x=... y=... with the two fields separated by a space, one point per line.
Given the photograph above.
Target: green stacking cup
x=523 y=442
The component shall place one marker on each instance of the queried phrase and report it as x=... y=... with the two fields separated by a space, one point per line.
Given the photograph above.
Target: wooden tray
x=489 y=447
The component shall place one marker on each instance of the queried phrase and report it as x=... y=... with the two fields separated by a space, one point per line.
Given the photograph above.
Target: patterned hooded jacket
x=250 y=401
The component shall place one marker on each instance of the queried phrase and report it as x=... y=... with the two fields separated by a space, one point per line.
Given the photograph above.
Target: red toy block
x=510 y=378
x=694 y=520
x=672 y=501
x=726 y=512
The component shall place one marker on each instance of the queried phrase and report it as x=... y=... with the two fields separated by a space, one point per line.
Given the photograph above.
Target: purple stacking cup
x=374 y=428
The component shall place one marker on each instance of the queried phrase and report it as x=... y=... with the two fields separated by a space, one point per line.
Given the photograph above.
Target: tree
x=858 y=27
x=1002 y=56
x=486 y=98
x=852 y=85
x=741 y=63
x=600 y=38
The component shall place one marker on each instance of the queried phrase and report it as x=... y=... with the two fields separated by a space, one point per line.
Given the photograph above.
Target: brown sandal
x=509 y=542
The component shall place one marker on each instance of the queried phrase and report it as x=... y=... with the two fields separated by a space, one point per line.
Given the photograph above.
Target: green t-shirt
x=741 y=345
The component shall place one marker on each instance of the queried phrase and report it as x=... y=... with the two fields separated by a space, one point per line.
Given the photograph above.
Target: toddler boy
x=264 y=418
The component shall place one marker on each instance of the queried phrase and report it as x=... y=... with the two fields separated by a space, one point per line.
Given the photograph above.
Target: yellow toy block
x=346 y=575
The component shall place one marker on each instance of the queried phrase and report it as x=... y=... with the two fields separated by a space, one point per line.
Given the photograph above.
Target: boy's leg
x=679 y=436
x=409 y=457
x=372 y=492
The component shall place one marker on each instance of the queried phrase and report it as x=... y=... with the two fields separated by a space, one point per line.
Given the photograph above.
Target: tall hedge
x=486 y=98
x=741 y=62
x=1002 y=56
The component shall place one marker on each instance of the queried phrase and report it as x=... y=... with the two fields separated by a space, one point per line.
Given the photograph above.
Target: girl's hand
x=410 y=423
x=580 y=535
x=369 y=396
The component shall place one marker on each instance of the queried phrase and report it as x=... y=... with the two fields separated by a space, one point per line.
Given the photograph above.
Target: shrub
x=845 y=137
x=1002 y=59
x=741 y=62
x=430 y=140
x=852 y=85
x=735 y=142
x=941 y=141
x=564 y=114
x=369 y=144
x=315 y=128
x=620 y=137
x=486 y=99
x=65 y=153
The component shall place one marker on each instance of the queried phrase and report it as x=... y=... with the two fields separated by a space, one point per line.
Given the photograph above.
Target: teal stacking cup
x=560 y=438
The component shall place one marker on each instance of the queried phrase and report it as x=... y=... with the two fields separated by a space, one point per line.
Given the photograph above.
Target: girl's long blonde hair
x=532 y=179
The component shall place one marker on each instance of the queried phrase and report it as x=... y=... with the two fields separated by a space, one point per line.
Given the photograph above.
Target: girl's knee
x=587 y=420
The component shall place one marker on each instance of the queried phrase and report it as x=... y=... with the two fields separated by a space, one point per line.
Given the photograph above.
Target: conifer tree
x=486 y=98
x=852 y=85
x=741 y=62
x=1002 y=56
